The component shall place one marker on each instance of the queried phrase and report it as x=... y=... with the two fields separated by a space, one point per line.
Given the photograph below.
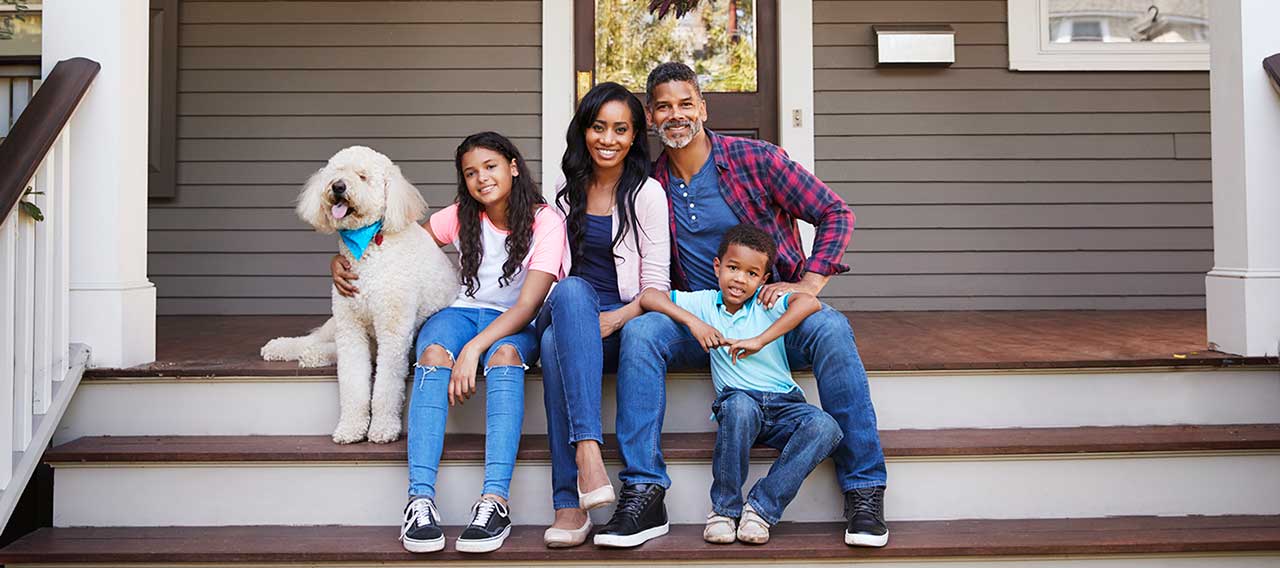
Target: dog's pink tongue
x=339 y=210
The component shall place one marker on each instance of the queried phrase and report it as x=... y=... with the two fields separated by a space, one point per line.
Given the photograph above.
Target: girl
x=511 y=249
x=619 y=238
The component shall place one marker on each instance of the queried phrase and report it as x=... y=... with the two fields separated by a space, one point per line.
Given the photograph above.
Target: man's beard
x=677 y=143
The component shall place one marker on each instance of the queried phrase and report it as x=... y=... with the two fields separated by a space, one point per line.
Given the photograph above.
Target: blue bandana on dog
x=357 y=240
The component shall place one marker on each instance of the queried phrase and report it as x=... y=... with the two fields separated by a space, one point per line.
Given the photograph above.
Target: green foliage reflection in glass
x=717 y=39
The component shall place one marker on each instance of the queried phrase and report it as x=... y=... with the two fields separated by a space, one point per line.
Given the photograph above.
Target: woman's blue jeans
x=451 y=328
x=574 y=359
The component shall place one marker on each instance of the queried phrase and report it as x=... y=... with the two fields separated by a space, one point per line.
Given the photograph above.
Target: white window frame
x=1030 y=50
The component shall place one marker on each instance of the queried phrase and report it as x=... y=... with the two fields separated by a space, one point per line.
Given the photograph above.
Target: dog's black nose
x=339 y=187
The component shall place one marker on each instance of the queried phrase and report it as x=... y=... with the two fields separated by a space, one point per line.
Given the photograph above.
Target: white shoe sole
x=487 y=545
x=877 y=541
x=421 y=546
x=628 y=541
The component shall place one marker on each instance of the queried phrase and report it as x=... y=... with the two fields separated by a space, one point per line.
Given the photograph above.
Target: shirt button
x=691 y=206
x=694 y=217
x=686 y=194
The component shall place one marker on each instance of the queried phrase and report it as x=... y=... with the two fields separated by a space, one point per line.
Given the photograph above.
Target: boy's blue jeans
x=652 y=344
x=574 y=359
x=451 y=328
x=804 y=434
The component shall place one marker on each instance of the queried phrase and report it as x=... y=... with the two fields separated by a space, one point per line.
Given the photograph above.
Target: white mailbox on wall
x=904 y=44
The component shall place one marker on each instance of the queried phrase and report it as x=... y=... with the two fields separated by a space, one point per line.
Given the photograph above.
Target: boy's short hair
x=752 y=237
x=668 y=72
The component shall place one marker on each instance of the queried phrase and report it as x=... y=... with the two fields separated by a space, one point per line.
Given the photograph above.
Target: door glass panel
x=717 y=39
x=1128 y=21
x=19 y=31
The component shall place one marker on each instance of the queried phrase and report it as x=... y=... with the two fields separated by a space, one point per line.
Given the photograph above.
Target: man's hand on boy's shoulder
x=812 y=283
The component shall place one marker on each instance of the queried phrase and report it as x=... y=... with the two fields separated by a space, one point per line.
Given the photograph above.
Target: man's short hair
x=668 y=72
x=752 y=237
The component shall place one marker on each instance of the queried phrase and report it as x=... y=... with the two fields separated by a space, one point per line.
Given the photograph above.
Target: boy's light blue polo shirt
x=766 y=370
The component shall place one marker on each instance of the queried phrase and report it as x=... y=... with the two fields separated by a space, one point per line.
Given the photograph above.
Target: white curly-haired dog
x=404 y=277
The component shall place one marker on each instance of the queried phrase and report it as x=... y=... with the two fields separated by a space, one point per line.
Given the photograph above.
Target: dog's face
x=358 y=187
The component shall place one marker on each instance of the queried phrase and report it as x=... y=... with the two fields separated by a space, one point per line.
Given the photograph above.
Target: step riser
x=1191 y=561
x=1035 y=487
x=255 y=407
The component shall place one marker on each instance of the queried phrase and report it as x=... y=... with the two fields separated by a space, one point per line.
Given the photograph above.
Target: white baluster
x=21 y=94
x=59 y=221
x=6 y=106
x=8 y=291
x=42 y=300
x=24 y=348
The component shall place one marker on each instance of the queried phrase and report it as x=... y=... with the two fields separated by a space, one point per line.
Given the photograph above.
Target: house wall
x=980 y=188
x=269 y=90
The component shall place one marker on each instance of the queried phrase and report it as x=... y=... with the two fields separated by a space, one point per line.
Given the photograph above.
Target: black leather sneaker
x=489 y=527
x=420 y=531
x=865 y=510
x=639 y=516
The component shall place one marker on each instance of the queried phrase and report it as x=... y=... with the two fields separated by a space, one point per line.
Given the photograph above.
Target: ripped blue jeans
x=451 y=328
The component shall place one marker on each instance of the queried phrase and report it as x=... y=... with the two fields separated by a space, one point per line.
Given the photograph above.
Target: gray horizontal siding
x=268 y=90
x=980 y=188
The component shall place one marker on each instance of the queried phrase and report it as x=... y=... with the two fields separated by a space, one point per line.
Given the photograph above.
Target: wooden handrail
x=39 y=125
x=1272 y=65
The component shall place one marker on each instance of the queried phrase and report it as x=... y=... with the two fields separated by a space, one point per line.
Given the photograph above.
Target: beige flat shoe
x=597 y=497
x=566 y=538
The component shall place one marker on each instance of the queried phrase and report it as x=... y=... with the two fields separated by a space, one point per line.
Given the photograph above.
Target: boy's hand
x=708 y=337
x=740 y=348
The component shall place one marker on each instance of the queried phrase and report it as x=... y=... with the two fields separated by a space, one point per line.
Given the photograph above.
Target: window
x=20 y=24
x=1109 y=35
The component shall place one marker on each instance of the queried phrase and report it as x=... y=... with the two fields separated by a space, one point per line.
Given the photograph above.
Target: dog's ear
x=405 y=204
x=311 y=203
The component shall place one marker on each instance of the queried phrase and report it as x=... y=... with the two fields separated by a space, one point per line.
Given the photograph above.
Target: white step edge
x=42 y=430
x=1099 y=397
x=998 y=487
x=1191 y=560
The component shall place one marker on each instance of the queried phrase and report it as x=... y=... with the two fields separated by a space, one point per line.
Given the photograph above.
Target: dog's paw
x=384 y=429
x=279 y=349
x=349 y=432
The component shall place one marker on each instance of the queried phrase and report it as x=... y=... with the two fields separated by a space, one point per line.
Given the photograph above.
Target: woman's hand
x=708 y=337
x=462 y=380
x=340 y=269
x=740 y=348
x=610 y=322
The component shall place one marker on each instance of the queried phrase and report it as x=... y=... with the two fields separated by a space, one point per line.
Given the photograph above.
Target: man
x=715 y=182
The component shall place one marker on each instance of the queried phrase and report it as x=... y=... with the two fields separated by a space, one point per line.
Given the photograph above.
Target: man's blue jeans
x=451 y=328
x=653 y=343
x=803 y=434
x=574 y=359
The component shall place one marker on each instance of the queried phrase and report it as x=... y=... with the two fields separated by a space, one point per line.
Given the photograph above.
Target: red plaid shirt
x=765 y=188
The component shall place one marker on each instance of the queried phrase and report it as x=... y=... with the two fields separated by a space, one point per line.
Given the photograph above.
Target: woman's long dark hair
x=521 y=207
x=579 y=168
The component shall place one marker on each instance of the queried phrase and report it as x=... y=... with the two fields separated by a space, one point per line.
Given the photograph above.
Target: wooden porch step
x=676 y=446
x=962 y=539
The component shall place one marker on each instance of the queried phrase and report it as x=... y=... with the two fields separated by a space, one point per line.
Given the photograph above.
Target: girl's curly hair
x=522 y=204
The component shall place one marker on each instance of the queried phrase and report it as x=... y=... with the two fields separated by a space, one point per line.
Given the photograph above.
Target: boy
x=756 y=398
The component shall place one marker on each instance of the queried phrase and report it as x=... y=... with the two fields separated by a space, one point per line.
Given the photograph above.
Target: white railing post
x=24 y=363
x=42 y=300
x=8 y=293
x=60 y=228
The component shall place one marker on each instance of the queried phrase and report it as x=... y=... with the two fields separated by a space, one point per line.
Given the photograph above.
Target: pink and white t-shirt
x=547 y=253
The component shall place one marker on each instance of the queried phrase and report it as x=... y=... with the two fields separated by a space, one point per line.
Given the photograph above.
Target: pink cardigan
x=649 y=267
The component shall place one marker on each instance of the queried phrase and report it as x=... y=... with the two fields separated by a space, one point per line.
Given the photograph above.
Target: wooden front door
x=731 y=44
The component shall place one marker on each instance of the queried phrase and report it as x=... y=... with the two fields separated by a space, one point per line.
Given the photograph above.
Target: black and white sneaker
x=640 y=516
x=420 y=531
x=489 y=527
x=865 y=510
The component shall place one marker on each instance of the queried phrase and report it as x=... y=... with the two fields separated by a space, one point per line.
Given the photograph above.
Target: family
x=637 y=268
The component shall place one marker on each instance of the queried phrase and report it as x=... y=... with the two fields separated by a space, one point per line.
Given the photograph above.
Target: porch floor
x=888 y=341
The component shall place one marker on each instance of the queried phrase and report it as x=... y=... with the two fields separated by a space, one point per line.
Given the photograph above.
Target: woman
x=619 y=241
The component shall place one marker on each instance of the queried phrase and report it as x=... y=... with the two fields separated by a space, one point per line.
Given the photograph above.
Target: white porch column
x=1243 y=289
x=113 y=305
